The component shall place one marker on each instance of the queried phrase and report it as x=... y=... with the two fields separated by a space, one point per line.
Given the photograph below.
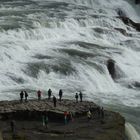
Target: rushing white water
x=131 y=132
x=66 y=44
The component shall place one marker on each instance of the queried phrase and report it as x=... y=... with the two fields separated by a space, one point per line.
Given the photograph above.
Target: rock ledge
x=29 y=125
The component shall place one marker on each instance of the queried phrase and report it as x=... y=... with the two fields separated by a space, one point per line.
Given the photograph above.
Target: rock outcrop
x=29 y=126
x=111 y=68
x=130 y=22
x=137 y=1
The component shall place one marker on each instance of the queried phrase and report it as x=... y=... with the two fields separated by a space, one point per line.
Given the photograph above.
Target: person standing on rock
x=39 y=95
x=66 y=117
x=45 y=119
x=102 y=113
x=26 y=96
x=60 y=94
x=98 y=110
x=54 y=101
x=89 y=115
x=76 y=97
x=12 y=123
x=21 y=96
x=81 y=96
x=49 y=94
x=71 y=116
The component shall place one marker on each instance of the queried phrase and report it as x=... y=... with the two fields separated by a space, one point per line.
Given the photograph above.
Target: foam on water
x=131 y=133
x=19 y=45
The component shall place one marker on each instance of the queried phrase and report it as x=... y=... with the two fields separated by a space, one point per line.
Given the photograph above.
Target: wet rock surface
x=130 y=22
x=28 y=121
x=111 y=68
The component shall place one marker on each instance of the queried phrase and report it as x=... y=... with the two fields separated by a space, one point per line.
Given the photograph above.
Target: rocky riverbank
x=28 y=121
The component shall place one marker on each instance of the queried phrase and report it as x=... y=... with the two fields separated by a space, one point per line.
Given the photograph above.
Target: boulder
x=111 y=68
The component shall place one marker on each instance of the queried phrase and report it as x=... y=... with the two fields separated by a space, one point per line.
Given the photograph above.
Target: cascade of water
x=131 y=132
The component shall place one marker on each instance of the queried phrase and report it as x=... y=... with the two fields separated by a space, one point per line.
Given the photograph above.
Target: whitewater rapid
x=66 y=44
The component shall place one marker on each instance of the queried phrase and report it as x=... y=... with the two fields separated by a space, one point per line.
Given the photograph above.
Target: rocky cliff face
x=28 y=124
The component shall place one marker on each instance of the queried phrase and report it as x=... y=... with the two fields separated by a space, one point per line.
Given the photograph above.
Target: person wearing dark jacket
x=60 y=94
x=12 y=123
x=54 y=101
x=102 y=113
x=81 y=96
x=98 y=111
x=26 y=96
x=76 y=97
x=21 y=96
x=49 y=93
x=39 y=95
x=45 y=119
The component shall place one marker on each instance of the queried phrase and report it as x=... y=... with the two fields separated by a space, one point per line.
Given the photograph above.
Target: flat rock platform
x=28 y=122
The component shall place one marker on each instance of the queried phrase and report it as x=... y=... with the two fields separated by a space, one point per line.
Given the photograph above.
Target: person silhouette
x=81 y=96
x=76 y=96
x=39 y=94
x=54 y=101
x=49 y=94
x=21 y=96
x=26 y=96
x=60 y=94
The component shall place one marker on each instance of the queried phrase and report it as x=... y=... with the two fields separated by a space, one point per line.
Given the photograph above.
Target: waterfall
x=131 y=132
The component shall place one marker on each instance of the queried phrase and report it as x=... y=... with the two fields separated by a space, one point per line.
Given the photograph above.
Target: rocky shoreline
x=27 y=116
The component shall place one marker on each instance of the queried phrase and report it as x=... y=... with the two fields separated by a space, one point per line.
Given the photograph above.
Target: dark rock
x=122 y=31
x=134 y=84
x=111 y=67
x=129 y=22
x=29 y=125
x=121 y=13
x=137 y=84
x=137 y=1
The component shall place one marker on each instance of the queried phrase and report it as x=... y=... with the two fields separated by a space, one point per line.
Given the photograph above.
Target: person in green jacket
x=45 y=120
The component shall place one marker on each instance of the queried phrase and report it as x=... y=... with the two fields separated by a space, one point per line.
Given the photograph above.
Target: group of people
x=99 y=111
x=39 y=95
x=68 y=116
x=22 y=94
x=80 y=95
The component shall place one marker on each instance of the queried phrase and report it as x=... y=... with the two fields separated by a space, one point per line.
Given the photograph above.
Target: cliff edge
x=28 y=121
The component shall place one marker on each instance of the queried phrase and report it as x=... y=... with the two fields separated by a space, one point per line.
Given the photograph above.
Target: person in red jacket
x=66 y=117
